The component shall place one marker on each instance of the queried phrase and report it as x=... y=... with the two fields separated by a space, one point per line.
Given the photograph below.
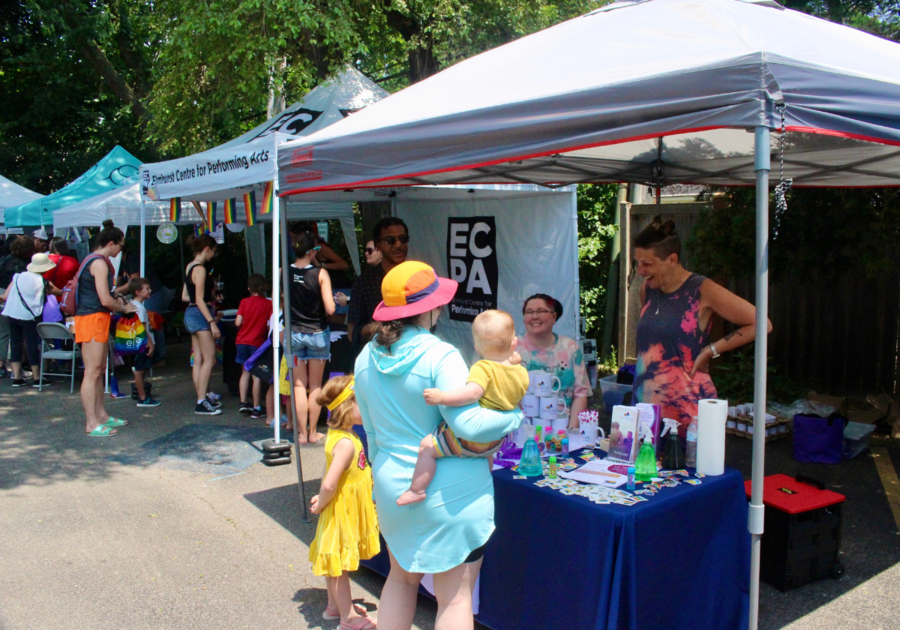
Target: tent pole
x=143 y=238
x=762 y=159
x=289 y=349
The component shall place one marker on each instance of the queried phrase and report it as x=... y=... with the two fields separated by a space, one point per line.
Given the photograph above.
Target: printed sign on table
x=472 y=261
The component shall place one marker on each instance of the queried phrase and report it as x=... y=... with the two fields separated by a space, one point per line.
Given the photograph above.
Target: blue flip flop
x=114 y=422
x=102 y=431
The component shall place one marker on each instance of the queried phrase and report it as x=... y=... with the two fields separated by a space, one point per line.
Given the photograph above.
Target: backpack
x=131 y=336
x=69 y=302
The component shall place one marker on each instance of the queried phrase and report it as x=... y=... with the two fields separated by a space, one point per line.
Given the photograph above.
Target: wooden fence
x=839 y=334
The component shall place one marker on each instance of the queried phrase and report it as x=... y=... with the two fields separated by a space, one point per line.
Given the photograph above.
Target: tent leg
x=757 y=511
x=143 y=238
x=279 y=225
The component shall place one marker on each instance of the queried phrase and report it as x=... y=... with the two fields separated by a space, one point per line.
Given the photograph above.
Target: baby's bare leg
x=426 y=465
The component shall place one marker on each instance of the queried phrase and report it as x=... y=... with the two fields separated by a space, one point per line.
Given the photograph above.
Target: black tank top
x=192 y=288
x=88 y=302
x=307 y=309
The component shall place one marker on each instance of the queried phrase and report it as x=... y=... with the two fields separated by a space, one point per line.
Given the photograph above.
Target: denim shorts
x=308 y=346
x=244 y=352
x=194 y=321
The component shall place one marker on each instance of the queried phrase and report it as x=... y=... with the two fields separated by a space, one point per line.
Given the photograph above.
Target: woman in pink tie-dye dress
x=673 y=349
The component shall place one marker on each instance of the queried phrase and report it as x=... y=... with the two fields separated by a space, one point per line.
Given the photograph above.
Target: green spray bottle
x=645 y=466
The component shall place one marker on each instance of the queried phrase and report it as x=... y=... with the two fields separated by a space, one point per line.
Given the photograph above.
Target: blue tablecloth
x=680 y=560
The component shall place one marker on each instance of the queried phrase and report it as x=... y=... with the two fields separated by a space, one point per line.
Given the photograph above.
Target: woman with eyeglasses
x=311 y=302
x=543 y=349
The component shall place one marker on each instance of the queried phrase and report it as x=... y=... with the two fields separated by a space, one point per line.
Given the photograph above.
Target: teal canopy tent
x=109 y=173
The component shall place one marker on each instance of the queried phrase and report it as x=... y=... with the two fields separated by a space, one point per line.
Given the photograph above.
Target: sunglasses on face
x=370 y=251
x=391 y=240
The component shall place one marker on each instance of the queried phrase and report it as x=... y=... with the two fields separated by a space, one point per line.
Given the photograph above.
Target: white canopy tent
x=652 y=92
x=123 y=206
x=11 y=195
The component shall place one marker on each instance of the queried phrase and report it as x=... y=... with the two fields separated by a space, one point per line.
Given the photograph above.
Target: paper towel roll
x=711 y=437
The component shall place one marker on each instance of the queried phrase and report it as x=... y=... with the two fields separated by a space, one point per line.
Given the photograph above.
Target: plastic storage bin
x=856 y=438
x=613 y=393
x=802 y=531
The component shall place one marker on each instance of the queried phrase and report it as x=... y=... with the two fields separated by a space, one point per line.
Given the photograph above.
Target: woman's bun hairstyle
x=108 y=224
x=661 y=237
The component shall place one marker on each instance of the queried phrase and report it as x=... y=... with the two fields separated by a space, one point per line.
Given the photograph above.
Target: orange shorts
x=93 y=327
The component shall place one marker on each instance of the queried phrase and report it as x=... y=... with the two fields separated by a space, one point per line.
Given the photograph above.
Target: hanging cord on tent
x=781 y=190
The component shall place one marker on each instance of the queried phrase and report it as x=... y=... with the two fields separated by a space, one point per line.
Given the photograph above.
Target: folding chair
x=50 y=332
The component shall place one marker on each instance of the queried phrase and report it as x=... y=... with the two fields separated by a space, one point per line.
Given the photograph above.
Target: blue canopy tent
x=109 y=173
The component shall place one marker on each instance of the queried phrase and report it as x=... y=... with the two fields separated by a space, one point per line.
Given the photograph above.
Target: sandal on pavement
x=114 y=422
x=103 y=431
x=331 y=614
x=363 y=623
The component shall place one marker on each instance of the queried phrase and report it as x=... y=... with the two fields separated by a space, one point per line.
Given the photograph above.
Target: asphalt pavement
x=110 y=533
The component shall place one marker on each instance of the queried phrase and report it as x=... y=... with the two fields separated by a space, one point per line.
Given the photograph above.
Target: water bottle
x=691 y=454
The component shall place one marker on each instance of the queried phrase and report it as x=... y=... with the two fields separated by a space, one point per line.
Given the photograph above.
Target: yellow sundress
x=348 y=526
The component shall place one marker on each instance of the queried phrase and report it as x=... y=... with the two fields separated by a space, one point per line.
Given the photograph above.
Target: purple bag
x=818 y=440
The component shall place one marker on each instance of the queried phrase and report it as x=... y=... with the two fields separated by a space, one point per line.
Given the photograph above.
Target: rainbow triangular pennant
x=198 y=229
x=228 y=208
x=175 y=209
x=211 y=214
x=268 y=200
x=250 y=207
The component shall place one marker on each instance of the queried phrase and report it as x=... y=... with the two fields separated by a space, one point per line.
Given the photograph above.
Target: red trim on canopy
x=373 y=183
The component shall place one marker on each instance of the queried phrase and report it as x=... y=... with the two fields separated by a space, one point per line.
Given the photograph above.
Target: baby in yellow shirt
x=496 y=382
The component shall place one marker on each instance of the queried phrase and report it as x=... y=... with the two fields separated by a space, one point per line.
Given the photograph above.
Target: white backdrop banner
x=535 y=238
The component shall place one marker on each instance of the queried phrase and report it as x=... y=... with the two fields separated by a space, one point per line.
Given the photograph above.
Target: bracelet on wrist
x=712 y=348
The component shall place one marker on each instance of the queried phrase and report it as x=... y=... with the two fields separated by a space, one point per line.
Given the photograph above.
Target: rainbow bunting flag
x=228 y=208
x=175 y=209
x=250 y=207
x=268 y=200
x=211 y=214
x=198 y=229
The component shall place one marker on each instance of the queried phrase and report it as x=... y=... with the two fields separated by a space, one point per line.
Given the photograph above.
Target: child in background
x=497 y=382
x=252 y=323
x=140 y=289
x=348 y=527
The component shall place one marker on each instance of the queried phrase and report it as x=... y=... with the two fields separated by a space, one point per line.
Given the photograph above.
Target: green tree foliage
x=596 y=228
x=58 y=61
x=823 y=231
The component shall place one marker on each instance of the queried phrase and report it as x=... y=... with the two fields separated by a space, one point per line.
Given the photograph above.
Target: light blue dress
x=457 y=516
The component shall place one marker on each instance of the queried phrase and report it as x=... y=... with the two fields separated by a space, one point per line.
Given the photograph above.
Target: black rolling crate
x=802 y=531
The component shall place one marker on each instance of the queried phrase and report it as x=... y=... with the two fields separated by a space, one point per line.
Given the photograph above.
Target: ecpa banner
x=472 y=261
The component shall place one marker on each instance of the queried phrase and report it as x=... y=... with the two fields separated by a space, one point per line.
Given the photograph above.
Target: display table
x=679 y=560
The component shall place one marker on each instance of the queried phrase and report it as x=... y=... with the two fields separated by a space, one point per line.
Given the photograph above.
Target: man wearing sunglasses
x=390 y=240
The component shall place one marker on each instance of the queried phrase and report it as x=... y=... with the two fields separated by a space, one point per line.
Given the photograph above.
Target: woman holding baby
x=446 y=532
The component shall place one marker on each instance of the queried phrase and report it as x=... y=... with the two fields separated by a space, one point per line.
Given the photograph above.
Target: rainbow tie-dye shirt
x=669 y=338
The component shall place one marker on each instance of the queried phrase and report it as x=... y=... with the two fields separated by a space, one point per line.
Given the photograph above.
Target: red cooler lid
x=785 y=493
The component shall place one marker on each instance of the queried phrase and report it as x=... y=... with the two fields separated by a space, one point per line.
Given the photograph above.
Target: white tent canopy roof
x=11 y=194
x=653 y=92
x=248 y=161
x=123 y=206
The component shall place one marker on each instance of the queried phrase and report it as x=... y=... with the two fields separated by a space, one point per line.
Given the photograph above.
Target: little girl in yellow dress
x=348 y=527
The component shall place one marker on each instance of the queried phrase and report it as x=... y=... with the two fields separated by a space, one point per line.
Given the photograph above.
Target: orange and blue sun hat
x=412 y=288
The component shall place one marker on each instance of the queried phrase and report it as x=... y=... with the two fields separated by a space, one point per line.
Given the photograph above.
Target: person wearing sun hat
x=24 y=304
x=444 y=534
